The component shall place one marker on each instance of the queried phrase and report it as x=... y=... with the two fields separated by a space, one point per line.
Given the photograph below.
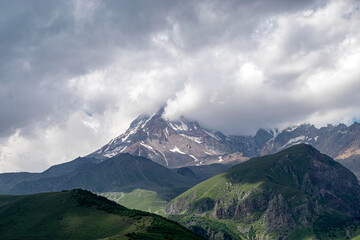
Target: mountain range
x=193 y=154
x=273 y=185
x=297 y=193
x=122 y=173
x=185 y=143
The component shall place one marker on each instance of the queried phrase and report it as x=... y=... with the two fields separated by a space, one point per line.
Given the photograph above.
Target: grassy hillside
x=297 y=194
x=122 y=173
x=6 y=199
x=139 y=199
x=79 y=214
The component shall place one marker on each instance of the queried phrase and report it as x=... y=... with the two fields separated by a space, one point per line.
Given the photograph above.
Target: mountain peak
x=172 y=143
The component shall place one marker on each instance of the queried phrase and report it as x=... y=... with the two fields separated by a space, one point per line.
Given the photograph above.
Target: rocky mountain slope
x=79 y=214
x=297 y=193
x=175 y=143
x=185 y=143
x=340 y=142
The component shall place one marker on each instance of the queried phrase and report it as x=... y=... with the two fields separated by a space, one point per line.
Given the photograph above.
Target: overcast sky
x=73 y=74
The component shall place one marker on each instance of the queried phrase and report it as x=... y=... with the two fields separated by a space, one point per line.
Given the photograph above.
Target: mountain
x=79 y=214
x=183 y=143
x=173 y=143
x=297 y=193
x=10 y=180
x=340 y=142
x=122 y=173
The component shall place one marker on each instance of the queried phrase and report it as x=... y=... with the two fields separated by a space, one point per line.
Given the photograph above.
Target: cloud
x=75 y=73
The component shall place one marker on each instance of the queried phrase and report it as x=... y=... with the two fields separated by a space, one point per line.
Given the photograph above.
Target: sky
x=74 y=74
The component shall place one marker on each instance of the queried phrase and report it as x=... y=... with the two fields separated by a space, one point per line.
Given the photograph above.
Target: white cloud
x=187 y=99
x=76 y=74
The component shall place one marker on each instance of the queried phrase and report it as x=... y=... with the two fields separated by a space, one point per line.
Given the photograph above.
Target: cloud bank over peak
x=75 y=73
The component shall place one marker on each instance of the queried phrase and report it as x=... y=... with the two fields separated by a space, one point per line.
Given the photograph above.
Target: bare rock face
x=278 y=215
x=243 y=208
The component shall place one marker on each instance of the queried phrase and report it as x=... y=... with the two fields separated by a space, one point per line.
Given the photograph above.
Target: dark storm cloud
x=73 y=70
x=44 y=43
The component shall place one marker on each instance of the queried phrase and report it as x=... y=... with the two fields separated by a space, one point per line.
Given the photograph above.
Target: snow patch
x=212 y=135
x=290 y=129
x=293 y=141
x=166 y=132
x=220 y=159
x=196 y=160
x=276 y=132
x=176 y=149
x=179 y=127
x=343 y=132
x=195 y=139
x=123 y=149
x=212 y=152
x=131 y=132
x=109 y=155
x=147 y=146
x=147 y=120
x=167 y=163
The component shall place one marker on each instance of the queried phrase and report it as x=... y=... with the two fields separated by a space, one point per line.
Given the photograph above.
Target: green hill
x=139 y=199
x=122 y=173
x=297 y=193
x=79 y=214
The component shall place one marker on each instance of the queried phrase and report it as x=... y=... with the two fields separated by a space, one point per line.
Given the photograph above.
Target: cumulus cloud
x=75 y=73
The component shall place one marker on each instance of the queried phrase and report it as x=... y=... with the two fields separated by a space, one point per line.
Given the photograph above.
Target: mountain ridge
x=184 y=143
x=122 y=173
x=278 y=196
